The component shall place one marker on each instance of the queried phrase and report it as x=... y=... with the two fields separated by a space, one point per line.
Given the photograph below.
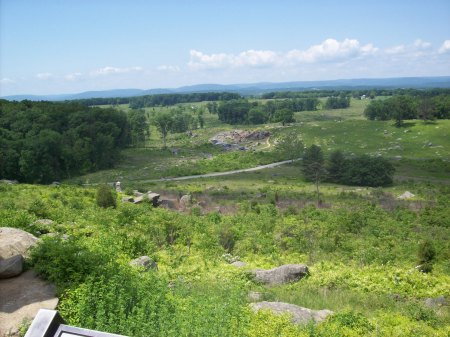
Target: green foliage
x=341 y=102
x=66 y=262
x=426 y=256
x=163 y=122
x=360 y=257
x=290 y=146
x=42 y=141
x=106 y=197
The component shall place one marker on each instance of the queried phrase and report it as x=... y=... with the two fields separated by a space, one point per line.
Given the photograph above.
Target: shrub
x=106 y=197
x=426 y=255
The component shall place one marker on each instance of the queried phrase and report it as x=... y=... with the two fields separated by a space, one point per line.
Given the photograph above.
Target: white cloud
x=396 y=49
x=44 y=76
x=445 y=48
x=6 y=80
x=199 y=60
x=329 y=50
x=115 y=70
x=73 y=76
x=420 y=44
x=173 y=69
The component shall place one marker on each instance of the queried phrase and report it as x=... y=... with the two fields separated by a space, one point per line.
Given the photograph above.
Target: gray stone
x=300 y=315
x=439 y=301
x=154 y=198
x=255 y=296
x=185 y=201
x=239 y=264
x=144 y=262
x=11 y=266
x=281 y=275
x=15 y=241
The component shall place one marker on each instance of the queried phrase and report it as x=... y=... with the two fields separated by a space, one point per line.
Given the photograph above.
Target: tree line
x=41 y=142
x=401 y=107
x=356 y=93
x=243 y=111
x=139 y=102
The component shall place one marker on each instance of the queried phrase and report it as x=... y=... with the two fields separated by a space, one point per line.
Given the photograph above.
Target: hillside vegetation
x=376 y=260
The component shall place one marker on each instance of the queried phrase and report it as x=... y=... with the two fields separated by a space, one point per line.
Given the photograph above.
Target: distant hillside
x=256 y=88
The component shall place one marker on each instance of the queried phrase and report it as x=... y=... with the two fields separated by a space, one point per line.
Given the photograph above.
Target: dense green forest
x=161 y=99
x=426 y=107
x=42 y=141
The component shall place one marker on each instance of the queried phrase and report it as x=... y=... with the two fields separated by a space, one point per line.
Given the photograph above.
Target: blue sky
x=68 y=46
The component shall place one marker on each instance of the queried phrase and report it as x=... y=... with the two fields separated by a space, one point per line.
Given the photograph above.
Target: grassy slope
x=419 y=151
x=364 y=265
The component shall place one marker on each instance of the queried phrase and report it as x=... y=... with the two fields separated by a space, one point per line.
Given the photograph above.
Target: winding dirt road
x=218 y=174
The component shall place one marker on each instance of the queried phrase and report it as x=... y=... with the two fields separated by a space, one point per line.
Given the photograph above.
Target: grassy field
x=418 y=150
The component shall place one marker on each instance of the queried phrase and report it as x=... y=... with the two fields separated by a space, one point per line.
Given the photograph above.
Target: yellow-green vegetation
x=362 y=257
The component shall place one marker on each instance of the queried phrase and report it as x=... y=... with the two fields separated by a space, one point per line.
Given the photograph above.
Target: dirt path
x=218 y=174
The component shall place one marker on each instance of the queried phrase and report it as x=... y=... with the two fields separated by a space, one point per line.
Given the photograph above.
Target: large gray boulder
x=281 y=275
x=144 y=262
x=14 y=242
x=300 y=315
x=11 y=266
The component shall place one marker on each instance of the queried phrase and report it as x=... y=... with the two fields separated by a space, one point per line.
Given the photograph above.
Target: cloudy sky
x=69 y=46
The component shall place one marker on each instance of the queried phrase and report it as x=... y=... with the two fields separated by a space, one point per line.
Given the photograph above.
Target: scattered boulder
x=186 y=201
x=436 y=302
x=255 y=296
x=11 y=266
x=21 y=298
x=118 y=187
x=145 y=262
x=9 y=182
x=300 y=315
x=406 y=195
x=238 y=264
x=168 y=203
x=15 y=241
x=154 y=198
x=281 y=275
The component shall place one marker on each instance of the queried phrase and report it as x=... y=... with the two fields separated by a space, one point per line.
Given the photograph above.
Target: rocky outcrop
x=21 y=298
x=238 y=264
x=11 y=267
x=280 y=275
x=436 y=302
x=144 y=262
x=185 y=201
x=299 y=315
x=14 y=242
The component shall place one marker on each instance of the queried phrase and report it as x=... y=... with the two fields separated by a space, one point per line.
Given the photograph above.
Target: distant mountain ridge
x=255 y=88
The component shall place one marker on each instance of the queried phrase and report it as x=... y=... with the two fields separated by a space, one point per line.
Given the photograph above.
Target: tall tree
x=336 y=166
x=314 y=167
x=290 y=146
x=163 y=122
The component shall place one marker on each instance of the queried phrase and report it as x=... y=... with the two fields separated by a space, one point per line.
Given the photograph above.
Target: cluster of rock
x=139 y=197
x=277 y=276
x=230 y=140
x=22 y=293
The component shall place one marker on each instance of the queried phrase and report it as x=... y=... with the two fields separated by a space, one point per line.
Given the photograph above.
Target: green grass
x=418 y=150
